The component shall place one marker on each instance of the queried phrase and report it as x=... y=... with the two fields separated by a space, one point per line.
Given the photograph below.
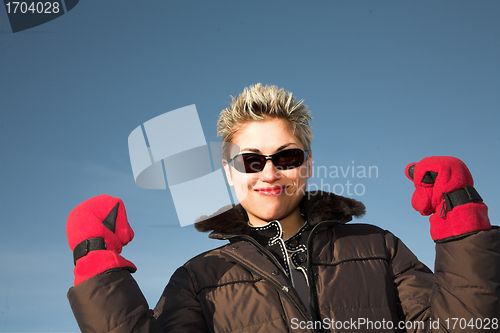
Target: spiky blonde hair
x=258 y=103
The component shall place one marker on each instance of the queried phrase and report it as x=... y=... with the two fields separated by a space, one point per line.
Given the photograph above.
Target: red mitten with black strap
x=444 y=188
x=97 y=230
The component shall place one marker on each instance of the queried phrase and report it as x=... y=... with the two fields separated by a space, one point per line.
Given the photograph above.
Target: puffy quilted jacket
x=361 y=279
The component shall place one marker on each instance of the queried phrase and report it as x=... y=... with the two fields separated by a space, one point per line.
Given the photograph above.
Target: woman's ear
x=227 y=170
x=309 y=166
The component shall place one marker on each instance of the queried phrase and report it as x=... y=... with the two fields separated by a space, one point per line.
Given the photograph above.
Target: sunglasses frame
x=271 y=157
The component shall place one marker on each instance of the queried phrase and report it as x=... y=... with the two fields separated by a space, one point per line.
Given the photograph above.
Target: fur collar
x=316 y=206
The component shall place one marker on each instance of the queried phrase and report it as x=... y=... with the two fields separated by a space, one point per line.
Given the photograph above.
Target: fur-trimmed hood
x=316 y=206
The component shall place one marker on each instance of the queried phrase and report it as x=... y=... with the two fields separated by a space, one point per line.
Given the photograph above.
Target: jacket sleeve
x=179 y=309
x=463 y=295
x=112 y=302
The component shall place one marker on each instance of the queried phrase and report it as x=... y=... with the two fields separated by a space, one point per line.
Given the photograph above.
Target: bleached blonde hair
x=259 y=103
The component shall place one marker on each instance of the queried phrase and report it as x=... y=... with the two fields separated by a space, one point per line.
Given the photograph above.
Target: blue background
x=388 y=83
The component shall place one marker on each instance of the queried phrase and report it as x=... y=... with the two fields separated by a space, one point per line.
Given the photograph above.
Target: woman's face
x=270 y=194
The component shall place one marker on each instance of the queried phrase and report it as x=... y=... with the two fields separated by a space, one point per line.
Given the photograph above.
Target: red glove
x=97 y=230
x=444 y=188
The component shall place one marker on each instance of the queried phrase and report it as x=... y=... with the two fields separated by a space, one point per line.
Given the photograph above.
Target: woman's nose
x=270 y=173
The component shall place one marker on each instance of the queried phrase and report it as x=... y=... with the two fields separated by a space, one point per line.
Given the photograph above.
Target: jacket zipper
x=276 y=262
x=263 y=250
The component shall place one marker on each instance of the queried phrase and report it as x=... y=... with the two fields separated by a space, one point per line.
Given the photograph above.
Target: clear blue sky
x=388 y=83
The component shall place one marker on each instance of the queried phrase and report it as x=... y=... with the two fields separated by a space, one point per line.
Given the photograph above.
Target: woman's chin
x=268 y=208
x=269 y=215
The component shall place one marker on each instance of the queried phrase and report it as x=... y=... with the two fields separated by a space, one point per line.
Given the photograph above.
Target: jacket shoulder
x=360 y=229
x=207 y=254
x=363 y=233
x=212 y=268
x=361 y=241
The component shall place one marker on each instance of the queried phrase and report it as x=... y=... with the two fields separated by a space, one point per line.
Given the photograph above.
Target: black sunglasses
x=282 y=160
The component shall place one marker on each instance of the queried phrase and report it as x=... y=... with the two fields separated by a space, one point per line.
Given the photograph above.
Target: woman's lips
x=269 y=191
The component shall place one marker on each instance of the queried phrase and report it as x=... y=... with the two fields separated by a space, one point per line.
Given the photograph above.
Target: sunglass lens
x=288 y=159
x=253 y=162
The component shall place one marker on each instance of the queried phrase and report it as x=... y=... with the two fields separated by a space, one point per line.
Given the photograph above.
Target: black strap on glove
x=461 y=197
x=91 y=244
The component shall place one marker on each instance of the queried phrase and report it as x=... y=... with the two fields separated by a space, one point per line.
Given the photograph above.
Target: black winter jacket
x=361 y=279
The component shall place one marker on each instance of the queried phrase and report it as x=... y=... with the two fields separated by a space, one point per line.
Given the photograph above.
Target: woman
x=293 y=263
